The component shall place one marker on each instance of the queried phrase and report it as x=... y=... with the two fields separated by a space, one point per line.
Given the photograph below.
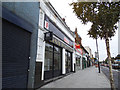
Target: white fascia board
x=63 y=42
x=77 y=53
x=59 y=19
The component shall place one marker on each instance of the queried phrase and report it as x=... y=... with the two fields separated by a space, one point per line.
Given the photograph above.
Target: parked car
x=117 y=61
x=107 y=65
x=102 y=64
x=116 y=66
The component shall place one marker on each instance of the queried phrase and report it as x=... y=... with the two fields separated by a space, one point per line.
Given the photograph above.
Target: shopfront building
x=55 y=49
x=84 y=63
x=78 y=57
x=78 y=62
x=84 y=59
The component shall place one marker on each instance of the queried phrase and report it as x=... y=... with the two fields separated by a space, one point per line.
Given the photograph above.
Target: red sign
x=46 y=25
x=78 y=49
x=66 y=40
x=77 y=46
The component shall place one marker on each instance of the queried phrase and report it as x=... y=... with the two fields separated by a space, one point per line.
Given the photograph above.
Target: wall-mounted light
x=48 y=36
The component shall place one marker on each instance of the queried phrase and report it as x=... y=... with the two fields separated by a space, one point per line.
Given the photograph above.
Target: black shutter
x=15 y=55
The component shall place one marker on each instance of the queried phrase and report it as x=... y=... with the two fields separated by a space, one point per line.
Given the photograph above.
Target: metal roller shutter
x=15 y=55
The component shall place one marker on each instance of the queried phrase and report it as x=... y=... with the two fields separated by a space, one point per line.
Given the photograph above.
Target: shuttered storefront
x=15 y=55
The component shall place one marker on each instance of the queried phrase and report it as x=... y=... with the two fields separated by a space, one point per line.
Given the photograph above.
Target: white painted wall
x=41 y=50
x=63 y=61
x=89 y=50
x=41 y=43
x=40 y=46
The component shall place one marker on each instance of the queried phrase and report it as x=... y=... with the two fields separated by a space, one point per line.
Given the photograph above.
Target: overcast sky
x=65 y=11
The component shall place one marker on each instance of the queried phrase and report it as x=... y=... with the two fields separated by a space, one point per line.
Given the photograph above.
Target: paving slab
x=87 y=78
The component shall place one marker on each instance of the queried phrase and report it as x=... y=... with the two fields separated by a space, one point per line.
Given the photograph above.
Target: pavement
x=87 y=78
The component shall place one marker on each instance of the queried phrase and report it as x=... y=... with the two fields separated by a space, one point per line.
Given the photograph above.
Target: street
x=59 y=44
x=116 y=75
x=87 y=78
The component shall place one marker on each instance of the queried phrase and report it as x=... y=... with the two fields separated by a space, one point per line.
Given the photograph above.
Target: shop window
x=52 y=63
x=68 y=59
x=57 y=58
x=48 y=57
x=77 y=62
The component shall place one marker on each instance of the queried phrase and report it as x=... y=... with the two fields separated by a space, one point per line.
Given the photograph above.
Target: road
x=116 y=75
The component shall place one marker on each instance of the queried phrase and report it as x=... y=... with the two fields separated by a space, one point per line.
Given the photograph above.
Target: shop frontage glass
x=48 y=63
x=83 y=63
x=52 y=64
x=68 y=59
x=57 y=61
x=77 y=62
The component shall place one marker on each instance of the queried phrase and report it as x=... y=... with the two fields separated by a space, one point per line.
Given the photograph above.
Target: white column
x=43 y=61
x=41 y=34
x=86 y=64
x=73 y=60
x=63 y=61
x=81 y=62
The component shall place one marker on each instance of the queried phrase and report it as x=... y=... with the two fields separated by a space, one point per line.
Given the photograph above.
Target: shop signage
x=59 y=43
x=52 y=26
x=66 y=40
x=46 y=25
x=48 y=36
x=77 y=46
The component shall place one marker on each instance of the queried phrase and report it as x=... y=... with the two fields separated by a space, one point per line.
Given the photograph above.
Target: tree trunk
x=98 y=55
x=110 y=65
